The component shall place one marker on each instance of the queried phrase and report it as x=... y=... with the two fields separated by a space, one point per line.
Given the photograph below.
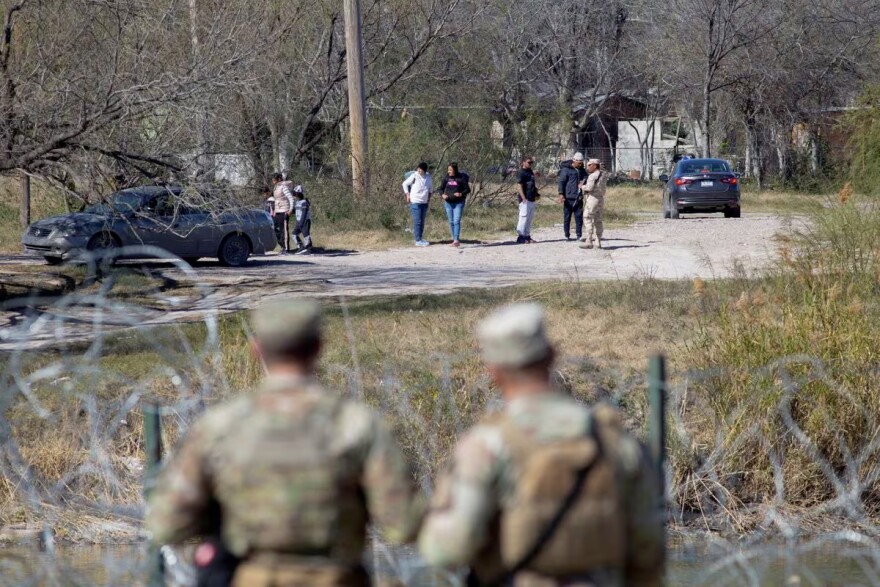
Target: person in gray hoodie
x=571 y=175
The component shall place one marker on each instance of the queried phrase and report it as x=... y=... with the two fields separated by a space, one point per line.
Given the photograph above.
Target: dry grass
x=412 y=356
x=648 y=199
x=819 y=306
x=45 y=201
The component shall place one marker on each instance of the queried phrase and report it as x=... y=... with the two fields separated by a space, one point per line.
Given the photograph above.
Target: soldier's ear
x=496 y=374
x=256 y=351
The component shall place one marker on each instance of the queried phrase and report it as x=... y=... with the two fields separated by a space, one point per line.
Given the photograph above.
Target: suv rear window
x=689 y=167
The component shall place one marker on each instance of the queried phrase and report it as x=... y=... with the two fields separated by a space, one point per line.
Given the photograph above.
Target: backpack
x=578 y=478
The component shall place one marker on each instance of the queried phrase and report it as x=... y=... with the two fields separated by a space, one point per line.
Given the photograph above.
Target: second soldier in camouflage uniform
x=297 y=472
x=512 y=472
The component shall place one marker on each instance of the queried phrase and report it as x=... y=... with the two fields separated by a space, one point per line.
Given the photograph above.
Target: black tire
x=103 y=242
x=54 y=260
x=732 y=213
x=673 y=212
x=234 y=251
x=665 y=208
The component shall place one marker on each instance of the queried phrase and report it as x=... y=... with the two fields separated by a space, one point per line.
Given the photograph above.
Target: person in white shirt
x=417 y=188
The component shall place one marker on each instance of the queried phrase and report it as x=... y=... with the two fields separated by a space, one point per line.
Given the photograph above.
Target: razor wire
x=56 y=379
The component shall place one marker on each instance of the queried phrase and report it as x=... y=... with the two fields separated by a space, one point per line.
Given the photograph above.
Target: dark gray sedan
x=701 y=185
x=152 y=216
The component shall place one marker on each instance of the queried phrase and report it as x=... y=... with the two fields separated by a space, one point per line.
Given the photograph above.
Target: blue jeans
x=453 y=213
x=419 y=212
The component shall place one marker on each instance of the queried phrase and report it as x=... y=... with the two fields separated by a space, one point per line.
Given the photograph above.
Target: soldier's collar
x=282 y=382
x=532 y=397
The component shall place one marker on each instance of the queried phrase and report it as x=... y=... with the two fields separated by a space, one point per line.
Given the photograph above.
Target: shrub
x=814 y=316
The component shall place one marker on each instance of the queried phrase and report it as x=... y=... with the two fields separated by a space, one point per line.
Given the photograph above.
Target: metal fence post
x=657 y=418
x=153 y=449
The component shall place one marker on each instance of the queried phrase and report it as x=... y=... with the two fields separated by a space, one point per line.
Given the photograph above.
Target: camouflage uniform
x=297 y=473
x=476 y=501
x=594 y=207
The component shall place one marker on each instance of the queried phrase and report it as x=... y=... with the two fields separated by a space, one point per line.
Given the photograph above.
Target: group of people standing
x=574 y=184
x=545 y=492
x=581 y=193
x=454 y=189
x=287 y=201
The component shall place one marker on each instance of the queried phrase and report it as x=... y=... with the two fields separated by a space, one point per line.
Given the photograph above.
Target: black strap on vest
x=550 y=529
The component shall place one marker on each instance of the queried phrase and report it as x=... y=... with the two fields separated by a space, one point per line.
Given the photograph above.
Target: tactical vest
x=592 y=535
x=283 y=485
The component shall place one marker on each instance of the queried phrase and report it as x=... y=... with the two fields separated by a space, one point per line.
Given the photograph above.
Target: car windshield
x=124 y=201
x=695 y=167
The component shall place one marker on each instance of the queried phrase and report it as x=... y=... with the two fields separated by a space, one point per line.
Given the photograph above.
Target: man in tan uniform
x=291 y=475
x=594 y=190
x=546 y=493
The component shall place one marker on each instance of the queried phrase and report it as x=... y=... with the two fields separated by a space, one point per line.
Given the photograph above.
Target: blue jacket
x=570 y=180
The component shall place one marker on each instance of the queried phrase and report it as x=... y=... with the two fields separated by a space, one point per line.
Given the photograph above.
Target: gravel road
x=706 y=246
x=668 y=249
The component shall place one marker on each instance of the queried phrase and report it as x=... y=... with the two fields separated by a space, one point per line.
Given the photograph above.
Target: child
x=302 y=232
x=270 y=201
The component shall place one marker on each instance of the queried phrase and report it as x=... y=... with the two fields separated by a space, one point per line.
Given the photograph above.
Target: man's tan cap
x=286 y=322
x=514 y=336
x=594 y=162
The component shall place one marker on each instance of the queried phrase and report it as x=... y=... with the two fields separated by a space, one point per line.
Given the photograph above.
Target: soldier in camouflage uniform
x=293 y=472
x=594 y=207
x=511 y=474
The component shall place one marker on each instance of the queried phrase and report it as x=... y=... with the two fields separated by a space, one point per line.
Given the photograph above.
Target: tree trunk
x=754 y=160
x=815 y=152
x=275 y=140
x=25 y=210
x=204 y=161
x=782 y=158
x=707 y=112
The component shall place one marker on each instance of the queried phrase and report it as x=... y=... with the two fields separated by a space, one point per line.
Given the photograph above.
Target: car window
x=696 y=167
x=159 y=205
x=120 y=202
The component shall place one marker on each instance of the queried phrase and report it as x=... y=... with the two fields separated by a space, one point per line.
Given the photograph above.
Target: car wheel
x=234 y=251
x=665 y=208
x=732 y=213
x=673 y=211
x=103 y=241
x=54 y=260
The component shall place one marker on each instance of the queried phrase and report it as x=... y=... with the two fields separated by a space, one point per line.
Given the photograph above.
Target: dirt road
x=670 y=249
x=667 y=249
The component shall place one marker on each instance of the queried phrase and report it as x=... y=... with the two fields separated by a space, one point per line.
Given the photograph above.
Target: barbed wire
x=71 y=449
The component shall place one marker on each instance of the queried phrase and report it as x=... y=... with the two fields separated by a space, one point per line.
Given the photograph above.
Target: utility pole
x=357 y=105
x=24 y=214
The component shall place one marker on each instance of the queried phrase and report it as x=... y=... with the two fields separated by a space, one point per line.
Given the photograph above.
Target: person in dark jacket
x=571 y=175
x=454 y=189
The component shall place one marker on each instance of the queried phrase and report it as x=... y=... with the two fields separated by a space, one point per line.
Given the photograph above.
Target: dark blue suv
x=701 y=185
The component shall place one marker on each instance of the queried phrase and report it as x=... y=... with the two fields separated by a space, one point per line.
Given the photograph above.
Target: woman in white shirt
x=417 y=188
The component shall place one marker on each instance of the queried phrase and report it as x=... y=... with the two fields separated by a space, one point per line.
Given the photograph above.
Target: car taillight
x=680 y=181
x=729 y=180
